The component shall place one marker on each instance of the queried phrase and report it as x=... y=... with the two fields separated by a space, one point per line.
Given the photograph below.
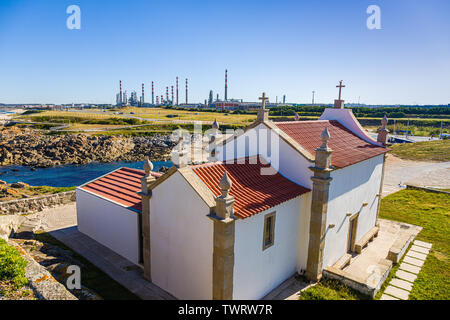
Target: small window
x=269 y=228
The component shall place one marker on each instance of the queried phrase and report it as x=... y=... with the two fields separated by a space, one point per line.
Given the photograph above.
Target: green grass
x=428 y=150
x=432 y=212
x=12 y=265
x=328 y=289
x=51 y=190
x=91 y=276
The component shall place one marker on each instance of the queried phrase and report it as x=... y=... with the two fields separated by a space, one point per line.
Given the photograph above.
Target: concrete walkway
x=421 y=173
x=114 y=265
x=401 y=285
x=288 y=290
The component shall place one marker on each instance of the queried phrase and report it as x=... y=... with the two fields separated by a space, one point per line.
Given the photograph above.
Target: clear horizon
x=279 y=47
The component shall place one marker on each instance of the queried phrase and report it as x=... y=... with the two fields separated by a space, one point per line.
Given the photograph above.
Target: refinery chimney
x=186 y=91
x=226 y=85
x=177 y=90
x=142 y=98
x=153 y=93
x=120 y=96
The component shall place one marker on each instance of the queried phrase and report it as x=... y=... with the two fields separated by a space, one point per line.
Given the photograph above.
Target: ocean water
x=68 y=175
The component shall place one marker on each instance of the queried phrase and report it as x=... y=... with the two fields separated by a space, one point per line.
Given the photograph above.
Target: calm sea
x=68 y=175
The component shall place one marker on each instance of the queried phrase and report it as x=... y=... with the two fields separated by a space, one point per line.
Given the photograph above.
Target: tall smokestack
x=157 y=100
x=167 y=94
x=143 y=96
x=226 y=85
x=120 y=97
x=162 y=99
x=172 y=95
x=177 y=90
x=153 y=93
x=186 y=91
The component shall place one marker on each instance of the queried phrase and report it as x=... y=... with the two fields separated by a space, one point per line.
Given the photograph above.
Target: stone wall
x=35 y=204
x=44 y=285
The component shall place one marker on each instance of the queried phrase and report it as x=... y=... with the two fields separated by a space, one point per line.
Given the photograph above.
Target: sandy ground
x=420 y=173
x=4 y=117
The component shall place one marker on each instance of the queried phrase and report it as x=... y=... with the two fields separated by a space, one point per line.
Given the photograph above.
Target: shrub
x=12 y=265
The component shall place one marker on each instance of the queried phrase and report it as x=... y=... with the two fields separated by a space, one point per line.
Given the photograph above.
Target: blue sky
x=281 y=47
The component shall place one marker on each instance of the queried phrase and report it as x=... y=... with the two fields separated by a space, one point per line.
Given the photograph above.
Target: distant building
x=210 y=101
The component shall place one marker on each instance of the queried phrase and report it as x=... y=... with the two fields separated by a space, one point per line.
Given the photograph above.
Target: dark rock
x=163 y=169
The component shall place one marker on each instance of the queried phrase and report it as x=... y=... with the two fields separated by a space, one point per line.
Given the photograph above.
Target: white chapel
x=278 y=199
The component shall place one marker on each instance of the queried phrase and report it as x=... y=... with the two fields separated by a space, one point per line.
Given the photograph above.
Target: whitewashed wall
x=303 y=236
x=288 y=162
x=347 y=119
x=257 y=272
x=181 y=237
x=349 y=189
x=110 y=224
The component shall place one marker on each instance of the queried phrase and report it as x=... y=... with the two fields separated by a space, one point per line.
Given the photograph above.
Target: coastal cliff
x=29 y=147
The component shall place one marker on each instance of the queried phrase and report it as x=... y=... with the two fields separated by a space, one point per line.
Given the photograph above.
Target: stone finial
x=148 y=167
x=383 y=132
x=215 y=125
x=296 y=117
x=384 y=121
x=325 y=136
x=225 y=184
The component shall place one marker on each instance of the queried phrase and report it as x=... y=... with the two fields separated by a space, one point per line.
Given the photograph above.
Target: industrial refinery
x=170 y=96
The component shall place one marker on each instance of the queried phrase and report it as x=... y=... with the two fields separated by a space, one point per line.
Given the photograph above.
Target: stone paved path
x=400 y=286
x=419 y=173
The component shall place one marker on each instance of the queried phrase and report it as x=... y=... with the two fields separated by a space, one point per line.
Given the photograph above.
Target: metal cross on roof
x=340 y=86
x=264 y=98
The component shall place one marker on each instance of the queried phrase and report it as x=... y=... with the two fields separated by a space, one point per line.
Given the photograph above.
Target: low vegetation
x=438 y=150
x=328 y=289
x=81 y=118
x=21 y=191
x=12 y=269
x=430 y=211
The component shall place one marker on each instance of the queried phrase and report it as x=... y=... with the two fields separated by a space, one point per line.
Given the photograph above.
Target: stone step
x=388 y=297
x=413 y=261
x=405 y=275
x=397 y=292
x=416 y=255
x=420 y=249
x=402 y=284
x=409 y=267
x=422 y=244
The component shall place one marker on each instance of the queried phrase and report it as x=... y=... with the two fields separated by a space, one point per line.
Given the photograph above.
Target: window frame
x=268 y=216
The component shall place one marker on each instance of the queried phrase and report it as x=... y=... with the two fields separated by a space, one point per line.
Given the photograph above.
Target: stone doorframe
x=352 y=228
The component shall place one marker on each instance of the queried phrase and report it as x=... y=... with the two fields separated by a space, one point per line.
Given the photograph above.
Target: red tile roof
x=347 y=147
x=120 y=186
x=252 y=191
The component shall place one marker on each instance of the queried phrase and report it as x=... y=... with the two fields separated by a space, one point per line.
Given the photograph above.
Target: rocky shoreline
x=31 y=148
